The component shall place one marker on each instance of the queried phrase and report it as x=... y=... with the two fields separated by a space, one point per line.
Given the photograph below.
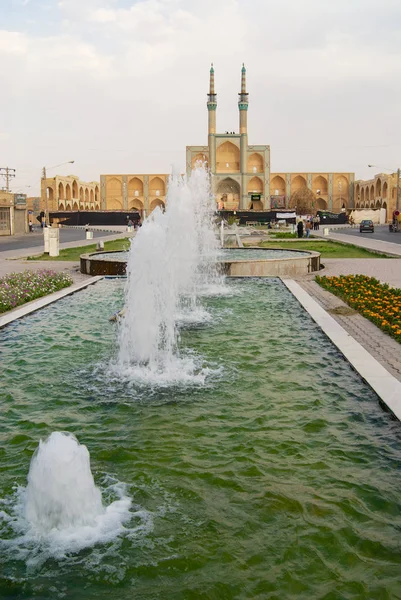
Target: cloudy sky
x=120 y=86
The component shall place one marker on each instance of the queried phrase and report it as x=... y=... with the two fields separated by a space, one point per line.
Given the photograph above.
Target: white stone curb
x=35 y=305
x=387 y=387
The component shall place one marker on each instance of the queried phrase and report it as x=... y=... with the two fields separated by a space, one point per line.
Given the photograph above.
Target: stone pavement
x=380 y=345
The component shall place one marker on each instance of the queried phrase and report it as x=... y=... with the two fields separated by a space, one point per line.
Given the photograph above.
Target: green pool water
x=277 y=478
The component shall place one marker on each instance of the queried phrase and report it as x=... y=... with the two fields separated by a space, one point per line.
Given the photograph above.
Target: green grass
x=73 y=254
x=327 y=249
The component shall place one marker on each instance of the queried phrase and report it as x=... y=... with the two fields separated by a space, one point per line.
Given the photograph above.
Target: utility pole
x=8 y=174
x=397 y=206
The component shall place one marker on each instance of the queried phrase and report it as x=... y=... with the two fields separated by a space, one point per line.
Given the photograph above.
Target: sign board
x=256 y=197
x=277 y=201
x=19 y=198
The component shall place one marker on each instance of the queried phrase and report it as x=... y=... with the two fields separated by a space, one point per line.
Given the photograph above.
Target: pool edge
x=39 y=303
x=386 y=386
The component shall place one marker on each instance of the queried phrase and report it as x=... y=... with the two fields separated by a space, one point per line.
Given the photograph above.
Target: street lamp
x=397 y=205
x=44 y=177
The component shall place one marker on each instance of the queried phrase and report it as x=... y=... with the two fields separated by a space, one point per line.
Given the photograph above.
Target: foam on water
x=61 y=509
x=173 y=254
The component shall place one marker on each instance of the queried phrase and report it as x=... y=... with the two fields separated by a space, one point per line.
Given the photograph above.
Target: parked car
x=366 y=225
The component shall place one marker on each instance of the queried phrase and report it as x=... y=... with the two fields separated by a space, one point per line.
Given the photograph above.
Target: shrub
x=19 y=288
x=374 y=300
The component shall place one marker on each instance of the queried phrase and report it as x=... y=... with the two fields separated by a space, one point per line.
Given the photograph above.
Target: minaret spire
x=243 y=79
x=211 y=107
x=243 y=130
x=211 y=87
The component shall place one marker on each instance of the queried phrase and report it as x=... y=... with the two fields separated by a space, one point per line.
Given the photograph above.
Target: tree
x=304 y=200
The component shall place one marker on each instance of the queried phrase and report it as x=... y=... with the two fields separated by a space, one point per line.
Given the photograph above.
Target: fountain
x=259 y=464
x=172 y=257
x=61 y=492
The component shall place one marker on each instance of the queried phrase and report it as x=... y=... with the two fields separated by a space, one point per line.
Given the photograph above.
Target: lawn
x=327 y=249
x=73 y=254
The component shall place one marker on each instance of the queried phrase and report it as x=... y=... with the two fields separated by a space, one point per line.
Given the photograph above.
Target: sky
x=119 y=86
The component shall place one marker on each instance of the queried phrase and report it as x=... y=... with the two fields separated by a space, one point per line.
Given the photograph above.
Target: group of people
x=308 y=225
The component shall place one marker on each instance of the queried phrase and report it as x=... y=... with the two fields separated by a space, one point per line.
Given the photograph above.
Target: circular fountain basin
x=236 y=262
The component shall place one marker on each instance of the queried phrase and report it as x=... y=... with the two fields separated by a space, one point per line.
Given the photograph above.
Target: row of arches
x=373 y=192
x=114 y=187
x=74 y=192
x=278 y=186
x=372 y=204
x=74 y=206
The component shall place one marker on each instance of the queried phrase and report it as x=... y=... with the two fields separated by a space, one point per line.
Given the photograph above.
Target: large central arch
x=228 y=194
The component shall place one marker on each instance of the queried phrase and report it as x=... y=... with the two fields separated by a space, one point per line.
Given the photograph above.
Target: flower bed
x=19 y=288
x=374 y=300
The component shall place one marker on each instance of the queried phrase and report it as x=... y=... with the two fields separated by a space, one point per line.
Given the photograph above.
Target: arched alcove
x=385 y=189
x=378 y=191
x=68 y=191
x=255 y=186
x=298 y=183
x=75 y=206
x=157 y=187
x=341 y=186
x=91 y=196
x=61 y=206
x=255 y=163
x=114 y=204
x=135 y=187
x=136 y=205
x=319 y=185
x=321 y=204
x=277 y=186
x=75 y=189
x=114 y=187
x=227 y=158
x=61 y=195
x=86 y=195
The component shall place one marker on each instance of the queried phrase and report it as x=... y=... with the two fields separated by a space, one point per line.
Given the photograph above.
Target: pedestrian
x=308 y=227
x=300 y=228
x=30 y=225
x=318 y=222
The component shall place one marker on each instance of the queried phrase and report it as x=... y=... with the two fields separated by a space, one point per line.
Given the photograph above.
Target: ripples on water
x=278 y=477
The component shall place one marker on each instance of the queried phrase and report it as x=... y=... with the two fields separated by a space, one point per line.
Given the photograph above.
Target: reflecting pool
x=270 y=472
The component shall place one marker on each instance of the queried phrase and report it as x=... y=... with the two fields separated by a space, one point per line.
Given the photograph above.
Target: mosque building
x=241 y=176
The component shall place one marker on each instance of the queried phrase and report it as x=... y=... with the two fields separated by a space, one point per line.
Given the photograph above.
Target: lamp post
x=44 y=177
x=398 y=171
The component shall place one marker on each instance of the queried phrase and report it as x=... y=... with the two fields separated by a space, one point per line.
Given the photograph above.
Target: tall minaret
x=243 y=130
x=211 y=107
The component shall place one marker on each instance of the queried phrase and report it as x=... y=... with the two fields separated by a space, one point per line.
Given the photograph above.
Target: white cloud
x=129 y=81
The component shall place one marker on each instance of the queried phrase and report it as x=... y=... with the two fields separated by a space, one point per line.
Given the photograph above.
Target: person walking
x=300 y=228
x=308 y=227
x=30 y=225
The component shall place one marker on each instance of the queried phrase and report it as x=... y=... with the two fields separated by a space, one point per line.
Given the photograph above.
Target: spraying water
x=173 y=255
x=61 y=510
x=61 y=491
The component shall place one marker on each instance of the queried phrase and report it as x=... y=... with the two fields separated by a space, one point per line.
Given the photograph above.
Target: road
x=35 y=239
x=381 y=233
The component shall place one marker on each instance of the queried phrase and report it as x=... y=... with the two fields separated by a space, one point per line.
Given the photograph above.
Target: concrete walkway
x=362 y=242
